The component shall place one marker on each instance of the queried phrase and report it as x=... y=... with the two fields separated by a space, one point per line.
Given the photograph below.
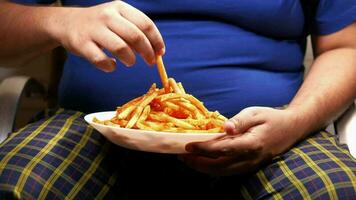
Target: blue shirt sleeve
x=333 y=15
x=34 y=1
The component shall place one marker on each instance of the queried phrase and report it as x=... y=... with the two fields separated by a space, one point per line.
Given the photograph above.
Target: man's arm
x=24 y=31
x=116 y=26
x=330 y=85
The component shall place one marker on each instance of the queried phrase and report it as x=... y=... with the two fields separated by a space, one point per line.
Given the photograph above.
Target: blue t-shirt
x=231 y=54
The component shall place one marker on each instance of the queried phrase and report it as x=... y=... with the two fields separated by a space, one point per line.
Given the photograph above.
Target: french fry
x=174 y=86
x=122 y=122
x=134 y=117
x=96 y=120
x=162 y=73
x=217 y=115
x=187 y=105
x=212 y=130
x=109 y=123
x=145 y=113
x=144 y=126
x=181 y=87
x=148 y=99
x=119 y=109
x=155 y=117
x=175 y=121
x=159 y=126
x=197 y=122
x=145 y=101
x=126 y=112
x=172 y=129
x=152 y=88
x=161 y=91
x=165 y=97
x=221 y=117
x=196 y=112
x=171 y=105
x=106 y=122
x=180 y=99
x=141 y=101
x=217 y=123
x=197 y=103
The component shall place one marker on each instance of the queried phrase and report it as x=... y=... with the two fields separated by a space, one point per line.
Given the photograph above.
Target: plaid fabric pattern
x=61 y=157
x=317 y=168
x=56 y=158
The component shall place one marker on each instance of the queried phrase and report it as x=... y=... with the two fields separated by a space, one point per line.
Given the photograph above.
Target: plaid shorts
x=61 y=157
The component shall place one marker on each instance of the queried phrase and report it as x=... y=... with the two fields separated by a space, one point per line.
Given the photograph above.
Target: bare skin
x=115 y=26
x=254 y=135
x=257 y=134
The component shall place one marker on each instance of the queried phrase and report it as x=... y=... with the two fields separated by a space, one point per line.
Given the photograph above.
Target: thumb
x=243 y=121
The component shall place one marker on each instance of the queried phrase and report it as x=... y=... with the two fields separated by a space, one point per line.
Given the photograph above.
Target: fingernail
x=229 y=124
x=162 y=51
x=112 y=65
x=189 y=148
x=153 y=61
x=107 y=65
x=127 y=64
x=229 y=127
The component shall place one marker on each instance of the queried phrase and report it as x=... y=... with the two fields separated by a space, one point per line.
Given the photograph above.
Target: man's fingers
x=213 y=148
x=241 y=146
x=222 y=166
x=97 y=57
x=206 y=165
x=243 y=121
x=236 y=168
x=146 y=25
x=133 y=36
x=114 y=26
x=116 y=46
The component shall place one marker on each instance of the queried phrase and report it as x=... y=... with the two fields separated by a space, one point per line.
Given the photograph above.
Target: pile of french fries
x=169 y=111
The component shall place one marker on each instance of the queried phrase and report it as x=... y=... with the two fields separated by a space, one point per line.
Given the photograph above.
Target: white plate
x=151 y=141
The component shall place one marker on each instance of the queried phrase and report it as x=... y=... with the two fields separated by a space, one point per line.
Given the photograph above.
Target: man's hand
x=115 y=26
x=254 y=136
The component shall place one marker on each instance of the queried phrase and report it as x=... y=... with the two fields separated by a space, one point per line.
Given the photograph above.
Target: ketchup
x=156 y=105
x=179 y=114
x=209 y=125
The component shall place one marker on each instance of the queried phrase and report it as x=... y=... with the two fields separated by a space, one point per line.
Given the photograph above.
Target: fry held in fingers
x=163 y=74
